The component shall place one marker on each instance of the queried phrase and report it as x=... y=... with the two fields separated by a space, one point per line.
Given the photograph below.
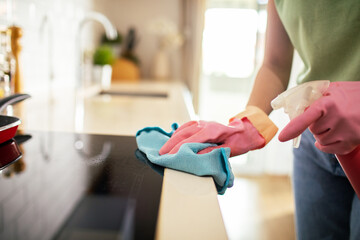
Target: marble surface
x=115 y=114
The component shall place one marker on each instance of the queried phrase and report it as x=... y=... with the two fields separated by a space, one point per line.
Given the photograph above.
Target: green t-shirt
x=326 y=34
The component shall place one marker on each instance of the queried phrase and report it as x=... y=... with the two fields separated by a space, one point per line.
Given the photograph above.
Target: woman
x=326 y=35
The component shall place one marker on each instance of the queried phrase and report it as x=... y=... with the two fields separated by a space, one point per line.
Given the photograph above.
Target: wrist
x=260 y=120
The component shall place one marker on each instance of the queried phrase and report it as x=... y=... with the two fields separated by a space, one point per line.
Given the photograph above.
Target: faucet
x=110 y=32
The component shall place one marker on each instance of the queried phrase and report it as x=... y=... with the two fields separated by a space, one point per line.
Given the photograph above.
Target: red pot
x=9 y=125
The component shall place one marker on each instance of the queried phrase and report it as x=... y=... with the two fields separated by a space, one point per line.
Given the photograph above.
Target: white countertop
x=189 y=208
x=106 y=114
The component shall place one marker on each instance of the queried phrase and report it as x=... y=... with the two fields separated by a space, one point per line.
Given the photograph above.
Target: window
x=232 y=48
x=229 y=43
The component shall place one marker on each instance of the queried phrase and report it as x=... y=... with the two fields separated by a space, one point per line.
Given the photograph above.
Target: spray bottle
x=295 y=101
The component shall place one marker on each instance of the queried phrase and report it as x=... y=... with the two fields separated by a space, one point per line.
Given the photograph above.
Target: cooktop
x=78 y=186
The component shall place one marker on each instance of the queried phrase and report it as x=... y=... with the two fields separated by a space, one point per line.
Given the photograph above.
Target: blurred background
x=213 y=47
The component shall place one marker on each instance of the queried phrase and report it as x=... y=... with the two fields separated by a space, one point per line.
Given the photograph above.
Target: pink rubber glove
x=334 y=119
x=240 y=136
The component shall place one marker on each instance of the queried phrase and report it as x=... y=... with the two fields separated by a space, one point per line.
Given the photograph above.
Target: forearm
x=273 y=76
x=269 y=83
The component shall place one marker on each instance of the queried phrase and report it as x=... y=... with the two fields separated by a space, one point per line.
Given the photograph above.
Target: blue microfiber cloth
x=215 y=163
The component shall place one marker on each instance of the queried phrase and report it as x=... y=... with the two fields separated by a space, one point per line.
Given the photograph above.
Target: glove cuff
x=260 y=120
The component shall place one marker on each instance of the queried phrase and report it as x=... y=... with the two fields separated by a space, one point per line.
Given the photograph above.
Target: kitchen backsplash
x=139 y=14
x=48 y=41
x=50 y=28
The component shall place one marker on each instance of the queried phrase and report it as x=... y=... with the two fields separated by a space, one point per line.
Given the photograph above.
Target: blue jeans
x=326 y=206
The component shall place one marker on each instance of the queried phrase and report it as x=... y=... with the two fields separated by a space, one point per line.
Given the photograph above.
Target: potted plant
x=114 y=44
x=103 y=59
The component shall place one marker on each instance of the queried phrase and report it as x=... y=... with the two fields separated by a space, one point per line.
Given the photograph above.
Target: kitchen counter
x=122 y=110
x=189 y=207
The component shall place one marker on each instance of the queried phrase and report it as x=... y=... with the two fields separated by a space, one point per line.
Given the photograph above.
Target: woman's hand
x=334 y=119
x=240 y=136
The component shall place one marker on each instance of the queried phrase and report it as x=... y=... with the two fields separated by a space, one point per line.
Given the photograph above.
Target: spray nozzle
x=297 y=99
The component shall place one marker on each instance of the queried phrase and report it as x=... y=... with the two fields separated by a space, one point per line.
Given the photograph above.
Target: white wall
x=64 y=17
x=138 y=13
x=62 y=27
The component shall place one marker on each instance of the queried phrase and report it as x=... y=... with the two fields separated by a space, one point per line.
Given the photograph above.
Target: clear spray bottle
x=295 y=101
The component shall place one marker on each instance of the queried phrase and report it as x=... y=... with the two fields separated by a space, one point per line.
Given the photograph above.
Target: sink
x=134 y=93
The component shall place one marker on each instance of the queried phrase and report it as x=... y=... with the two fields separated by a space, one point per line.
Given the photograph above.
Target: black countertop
x=78 y=186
